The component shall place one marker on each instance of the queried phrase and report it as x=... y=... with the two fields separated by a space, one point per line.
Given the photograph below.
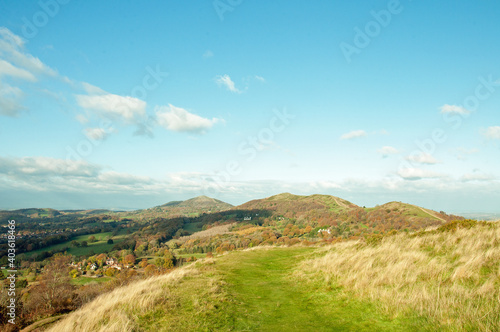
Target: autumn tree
x=143 y=263
x=129 y=259
x=54 y=293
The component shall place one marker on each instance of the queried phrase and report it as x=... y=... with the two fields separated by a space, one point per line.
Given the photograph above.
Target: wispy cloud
x=10 y=100
x=16 y=65
x=114 y=106
x=418 y=174
x=178 y=119
x=7 y=69
x=387 y=150
x=492 y=132
x=226 y=82
x=477 y=175
x=260 y=78
x=47 y=167
x=462 y=153
x=12 y=49
x=97 y=134
x=422 y=158
x=454 y=109
x=353 y=134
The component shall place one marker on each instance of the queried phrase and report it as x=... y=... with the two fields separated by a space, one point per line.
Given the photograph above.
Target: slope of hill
x=31 y=213
x=325 y=210
x=287 y=202
x=403 y=215
x=189 y=208
x=443 y=280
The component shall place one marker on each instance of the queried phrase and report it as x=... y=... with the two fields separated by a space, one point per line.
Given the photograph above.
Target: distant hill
x=326 y=210
x=201 y=202
x=290 y=204
x=189 y=208
x=30 y=213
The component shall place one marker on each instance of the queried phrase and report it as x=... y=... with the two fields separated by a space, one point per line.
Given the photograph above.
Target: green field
x=80 y=281
x=97 y=247
x=193 y=227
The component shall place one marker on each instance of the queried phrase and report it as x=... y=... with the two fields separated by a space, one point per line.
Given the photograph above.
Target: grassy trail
x=253 y=290
x=269 y=299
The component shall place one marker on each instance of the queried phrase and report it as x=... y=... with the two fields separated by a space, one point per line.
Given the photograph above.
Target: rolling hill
x=325 y=210
x=286 y=202
x=189 y=208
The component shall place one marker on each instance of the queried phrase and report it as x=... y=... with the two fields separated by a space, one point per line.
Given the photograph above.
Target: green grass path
x=268 y=298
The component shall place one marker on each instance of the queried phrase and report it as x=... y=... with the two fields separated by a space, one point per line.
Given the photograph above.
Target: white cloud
x=226 y=81
x=12 y=48
x=492 y=132
x=11 y=38
x=44 y=166
x=16 y=63
x=126 y=108
x=92 y=89
x=10 y=100
x=116 y=178
x=422 y=158
x=354 y=134
x=97 y=134
x=7 y=69
x=178 y=119
x=462 y=153
x=388 y=150
x=477 y=176
x=417 y=174
x=58 y=175
x=454 y=109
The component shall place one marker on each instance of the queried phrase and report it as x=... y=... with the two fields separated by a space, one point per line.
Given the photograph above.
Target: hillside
x=438 y=280
x=189 y=208
x=290 y=204
x=325 y=210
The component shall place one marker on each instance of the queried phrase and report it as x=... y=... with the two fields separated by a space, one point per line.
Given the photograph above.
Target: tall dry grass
x=118 y=310
x=451 y=277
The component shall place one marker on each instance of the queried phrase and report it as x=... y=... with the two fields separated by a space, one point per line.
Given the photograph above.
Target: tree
x=74 y=273
x=111 y=272
x=164 y=263
x=84 y=244
x=21 y=283
x=150 y=270
x=92 y=239
x=143 y=263
x=110 y=241
x=75 y=244
x=129 y=259
x=54 y=293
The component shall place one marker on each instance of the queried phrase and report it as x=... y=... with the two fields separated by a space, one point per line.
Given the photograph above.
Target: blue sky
x=128 y=104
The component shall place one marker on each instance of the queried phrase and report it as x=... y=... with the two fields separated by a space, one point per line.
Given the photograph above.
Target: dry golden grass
x=119 y=309
x=451 y=277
